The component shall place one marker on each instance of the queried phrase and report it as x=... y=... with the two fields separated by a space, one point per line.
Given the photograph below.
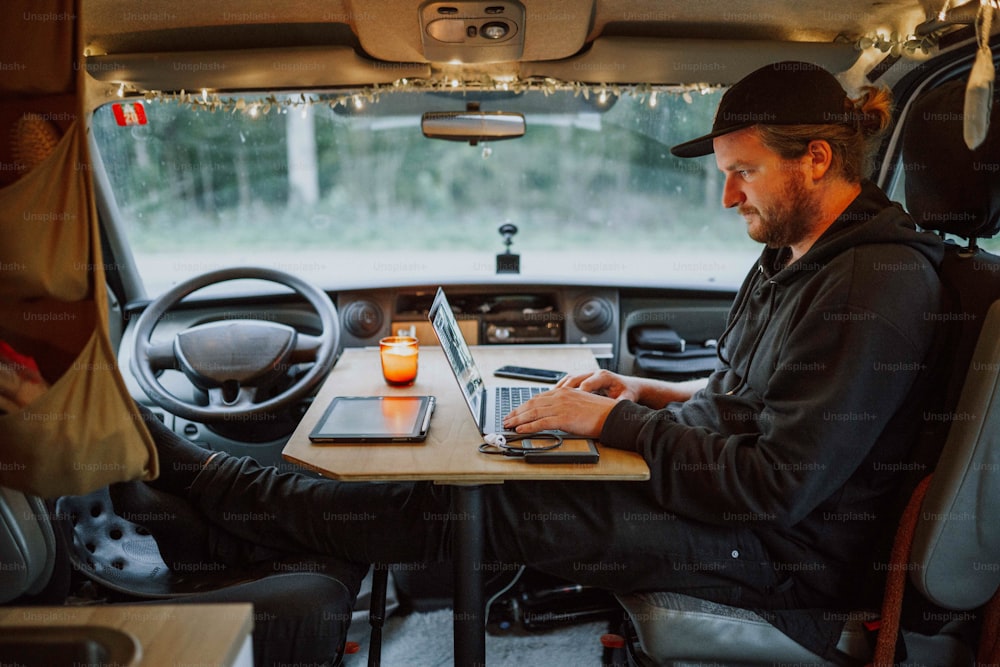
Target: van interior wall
x=38 y=72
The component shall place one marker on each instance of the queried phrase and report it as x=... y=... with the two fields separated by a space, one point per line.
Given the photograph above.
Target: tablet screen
x=375 y=419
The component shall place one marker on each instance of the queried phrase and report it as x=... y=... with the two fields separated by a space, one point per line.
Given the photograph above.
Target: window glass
x=353 y=194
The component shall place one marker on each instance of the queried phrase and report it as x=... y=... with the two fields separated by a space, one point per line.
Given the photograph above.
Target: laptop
x=488 y=404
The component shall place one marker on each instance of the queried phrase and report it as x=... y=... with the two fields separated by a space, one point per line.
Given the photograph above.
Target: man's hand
x=652 y=393
x=604 y=383
x=580 y=404
x=565 y=409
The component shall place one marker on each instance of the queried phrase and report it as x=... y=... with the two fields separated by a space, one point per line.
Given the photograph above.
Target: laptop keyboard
x=508 y=398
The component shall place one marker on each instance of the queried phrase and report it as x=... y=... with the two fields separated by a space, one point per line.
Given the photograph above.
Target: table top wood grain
x=450 y=454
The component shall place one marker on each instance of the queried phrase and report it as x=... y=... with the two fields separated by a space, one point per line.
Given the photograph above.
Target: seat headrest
x=948 y=187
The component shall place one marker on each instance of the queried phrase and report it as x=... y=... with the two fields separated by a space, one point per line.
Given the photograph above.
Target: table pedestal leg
x=470 y=603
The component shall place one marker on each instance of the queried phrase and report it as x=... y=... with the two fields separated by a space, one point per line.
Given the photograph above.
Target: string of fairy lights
x=357 y=98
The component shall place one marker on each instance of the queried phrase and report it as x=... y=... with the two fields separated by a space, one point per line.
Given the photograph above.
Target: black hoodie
x=804 y=430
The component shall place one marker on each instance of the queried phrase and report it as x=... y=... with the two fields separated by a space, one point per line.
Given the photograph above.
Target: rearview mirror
x=472 y=126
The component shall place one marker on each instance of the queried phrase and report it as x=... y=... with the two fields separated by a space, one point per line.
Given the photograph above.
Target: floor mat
x=426 y=640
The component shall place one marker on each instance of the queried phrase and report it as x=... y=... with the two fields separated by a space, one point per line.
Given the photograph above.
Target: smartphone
x=524 y=373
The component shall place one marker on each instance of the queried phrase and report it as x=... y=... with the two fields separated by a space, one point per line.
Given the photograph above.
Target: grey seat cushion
x=27 y=545
x=678 y=630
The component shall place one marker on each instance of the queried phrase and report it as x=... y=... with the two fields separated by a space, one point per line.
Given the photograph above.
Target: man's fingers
x=529 y=411
x=593 y=383
x=572 y=381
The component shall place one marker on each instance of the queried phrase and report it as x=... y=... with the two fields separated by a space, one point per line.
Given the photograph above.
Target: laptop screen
x=457 y=352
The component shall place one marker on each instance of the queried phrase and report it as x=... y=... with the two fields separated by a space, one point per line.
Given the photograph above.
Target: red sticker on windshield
x=131 y=113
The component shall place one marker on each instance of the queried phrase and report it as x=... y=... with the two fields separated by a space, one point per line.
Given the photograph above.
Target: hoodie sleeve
x=844 y=369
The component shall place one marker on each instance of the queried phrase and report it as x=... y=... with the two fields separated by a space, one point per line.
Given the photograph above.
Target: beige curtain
x=85 y=432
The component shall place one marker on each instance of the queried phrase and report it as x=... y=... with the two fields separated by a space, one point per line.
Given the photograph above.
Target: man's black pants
x=611 y=535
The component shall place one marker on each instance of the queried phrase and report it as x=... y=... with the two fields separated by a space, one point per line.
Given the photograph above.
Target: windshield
x=346 y=191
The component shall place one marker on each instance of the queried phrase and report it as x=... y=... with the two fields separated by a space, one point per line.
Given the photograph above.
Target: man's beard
x=786 y=221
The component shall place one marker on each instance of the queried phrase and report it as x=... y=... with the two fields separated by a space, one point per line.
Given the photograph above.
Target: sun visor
x=629 y=60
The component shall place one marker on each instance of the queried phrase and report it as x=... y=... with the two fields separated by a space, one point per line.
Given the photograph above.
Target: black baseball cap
x=785 y=93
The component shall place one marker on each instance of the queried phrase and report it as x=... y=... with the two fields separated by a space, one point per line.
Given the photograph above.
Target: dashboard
x=598 y=317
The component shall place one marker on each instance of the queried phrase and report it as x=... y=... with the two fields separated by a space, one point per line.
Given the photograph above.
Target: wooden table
x=449 y=455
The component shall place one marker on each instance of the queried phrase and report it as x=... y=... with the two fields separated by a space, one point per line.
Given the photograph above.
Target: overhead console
x=490 y=316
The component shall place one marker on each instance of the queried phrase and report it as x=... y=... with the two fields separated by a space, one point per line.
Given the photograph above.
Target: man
x=769 y=480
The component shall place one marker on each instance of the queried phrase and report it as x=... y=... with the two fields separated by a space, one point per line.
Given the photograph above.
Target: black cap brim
x=703 y=145
x=784 y=93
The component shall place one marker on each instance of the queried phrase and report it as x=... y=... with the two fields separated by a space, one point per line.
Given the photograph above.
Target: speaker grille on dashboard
x=363 y=318
x=593 y=315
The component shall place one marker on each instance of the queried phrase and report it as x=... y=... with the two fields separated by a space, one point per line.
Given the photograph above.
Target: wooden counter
x=188 y=634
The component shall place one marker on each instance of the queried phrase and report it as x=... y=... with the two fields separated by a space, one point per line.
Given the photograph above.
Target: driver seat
x=78 y=548
x=300 y=615
x=955 y=541
x=303 y=604
x=27 y=545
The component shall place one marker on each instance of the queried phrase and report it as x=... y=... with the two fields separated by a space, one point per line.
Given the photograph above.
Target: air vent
x=593 y=315
x=363 y=319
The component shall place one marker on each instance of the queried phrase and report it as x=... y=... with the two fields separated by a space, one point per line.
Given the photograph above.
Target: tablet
x=375 y=419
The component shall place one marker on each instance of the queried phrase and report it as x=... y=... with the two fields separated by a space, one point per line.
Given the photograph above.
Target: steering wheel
x=234 y=360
